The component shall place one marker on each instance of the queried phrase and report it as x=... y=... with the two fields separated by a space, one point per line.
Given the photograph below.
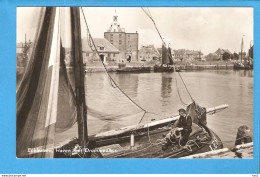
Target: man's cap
x=182 y=110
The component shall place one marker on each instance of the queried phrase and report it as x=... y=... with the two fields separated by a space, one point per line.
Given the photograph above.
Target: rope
x=150 y=16
x=182 y=102
x=185 y=86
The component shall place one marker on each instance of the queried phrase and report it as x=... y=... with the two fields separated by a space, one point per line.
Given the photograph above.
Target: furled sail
x=166 y=55
x=47 y=102
x=170 y=56
x=36 y=106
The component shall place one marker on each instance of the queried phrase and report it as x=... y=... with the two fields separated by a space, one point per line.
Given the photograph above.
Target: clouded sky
x=205 y=29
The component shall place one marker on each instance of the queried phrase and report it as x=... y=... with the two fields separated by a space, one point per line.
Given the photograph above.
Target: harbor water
x=161 y=94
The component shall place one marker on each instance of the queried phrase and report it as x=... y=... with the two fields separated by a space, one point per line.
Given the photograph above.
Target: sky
x=194 y=28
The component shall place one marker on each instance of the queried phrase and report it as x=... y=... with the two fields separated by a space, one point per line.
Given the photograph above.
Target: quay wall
x=202 y=67
x=21 y=70
x=180 y=67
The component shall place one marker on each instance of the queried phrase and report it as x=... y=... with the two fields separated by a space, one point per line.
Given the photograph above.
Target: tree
x=232 y=56
x=236 y=56
x=212 y=57
x=226 y=56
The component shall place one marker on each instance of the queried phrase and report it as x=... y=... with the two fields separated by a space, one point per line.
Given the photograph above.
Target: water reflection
x=128 y=82
x=245 y=73
x=166 y=86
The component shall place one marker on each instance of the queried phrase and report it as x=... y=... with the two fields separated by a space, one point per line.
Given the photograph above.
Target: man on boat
x=181 y=132
x=185 y=122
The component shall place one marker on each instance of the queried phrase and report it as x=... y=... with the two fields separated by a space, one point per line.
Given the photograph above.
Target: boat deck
x=149 y=145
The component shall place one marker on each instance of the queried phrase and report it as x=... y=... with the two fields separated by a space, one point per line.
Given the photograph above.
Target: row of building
x=119 y=46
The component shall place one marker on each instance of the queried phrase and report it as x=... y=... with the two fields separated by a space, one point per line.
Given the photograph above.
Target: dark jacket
x=185 y=123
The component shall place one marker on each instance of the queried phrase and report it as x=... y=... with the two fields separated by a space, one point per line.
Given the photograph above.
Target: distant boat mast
x=242 y=44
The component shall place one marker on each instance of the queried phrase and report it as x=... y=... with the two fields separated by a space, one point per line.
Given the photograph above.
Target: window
x=111 y=35
x=120 y=35
x=114 y=55
x=87 y=54
x=108 y=55
x=120 y=42
x=101 y=48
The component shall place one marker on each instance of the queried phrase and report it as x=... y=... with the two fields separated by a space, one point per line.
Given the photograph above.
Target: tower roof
x=115 y=26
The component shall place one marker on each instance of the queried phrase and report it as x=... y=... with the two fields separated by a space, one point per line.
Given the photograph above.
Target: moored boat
x=244 y=63
x=167 y=62
x=146 y=141
x=142 y=69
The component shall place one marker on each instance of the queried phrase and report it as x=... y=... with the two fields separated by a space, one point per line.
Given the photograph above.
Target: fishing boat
x=167 y=62
x=49 y=102
x=245 y=64
x=146 y=140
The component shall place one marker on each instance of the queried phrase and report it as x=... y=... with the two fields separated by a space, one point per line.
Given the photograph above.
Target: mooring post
x=243 y=135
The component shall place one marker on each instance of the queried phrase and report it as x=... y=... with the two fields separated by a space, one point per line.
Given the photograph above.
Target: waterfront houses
x=184 y=54
x=148 y=53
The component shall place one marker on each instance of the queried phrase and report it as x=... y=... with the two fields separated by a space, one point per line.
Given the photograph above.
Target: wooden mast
x=79 y=77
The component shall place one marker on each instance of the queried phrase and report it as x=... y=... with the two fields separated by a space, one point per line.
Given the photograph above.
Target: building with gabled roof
x=220 y=52
x=106 y=50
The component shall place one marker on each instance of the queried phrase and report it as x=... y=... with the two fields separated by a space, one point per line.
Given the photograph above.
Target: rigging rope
x=150 y=16
x=113 y=83
x=186 y=87
x=182 y=102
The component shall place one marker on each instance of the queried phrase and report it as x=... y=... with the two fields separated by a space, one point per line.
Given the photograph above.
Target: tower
x=126 y=43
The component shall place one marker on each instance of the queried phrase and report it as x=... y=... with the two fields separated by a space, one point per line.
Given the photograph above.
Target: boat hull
x=238 y=66
x=134 y=70
x=163 y=69
x=148 y=145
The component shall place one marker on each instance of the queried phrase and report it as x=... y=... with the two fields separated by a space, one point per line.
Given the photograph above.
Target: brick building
x=126 y=43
